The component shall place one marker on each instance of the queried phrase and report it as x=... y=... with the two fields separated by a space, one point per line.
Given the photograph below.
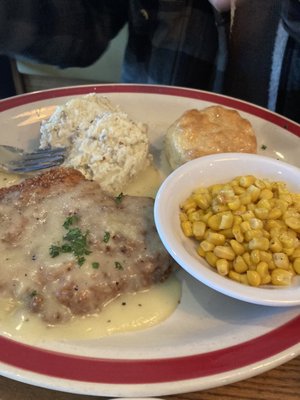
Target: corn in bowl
x=248 y=229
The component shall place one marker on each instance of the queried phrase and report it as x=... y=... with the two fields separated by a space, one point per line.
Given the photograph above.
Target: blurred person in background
x=264 y=55
x=248 y=49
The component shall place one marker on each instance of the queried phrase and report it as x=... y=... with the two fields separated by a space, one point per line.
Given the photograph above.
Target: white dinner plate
x=211 y=339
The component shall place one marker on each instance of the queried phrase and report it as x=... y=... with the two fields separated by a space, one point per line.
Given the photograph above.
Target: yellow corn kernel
x=239 y=265
x=275 y=245
x=282 y=205
x=296 y=253
x=202 y=200
x=247 y=258
x=281 y=277
x=198 y=228
x=195 y=216
x=266 y=234
x=275 y=213
x=256 y=223
x=259 y=243
x=215 y=238
x=288 y=251
x=246 y=181
x=206 y=246
x=254 y=278
x=253 y=233
x=251 y=207
x=214 y=222
x=205 y=217
x=296 y=265
x=226 y=221
x=245 y=226
x=238 y=190
x=287 y=239
x=259 y=183
x=211 y=258
x=281 y=260
x=227 y=233
x=222 y=266
x=244 y=279
x=190 y=211
x=293 y=223
x=215 y=189
x=254 y=192
x=224 y=252
x=266 y=194
x=240 y=210
x=188 y=204
x=235 y=276
x=183 y=217
x=237 y=233
x=261 y=212
x=245 y=198
x=237 y=220
x=246 y=216
x=234 y=204
x=263 y=269
x=286 y=197
x=237 y=247
x=291 y=269
x=265 y=256
x=200 y=251
x=218 y=208
x=255 y=256
x=264 y=203
x=186 y=227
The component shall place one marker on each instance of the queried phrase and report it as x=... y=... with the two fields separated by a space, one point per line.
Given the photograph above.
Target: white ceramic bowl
x=205 y=171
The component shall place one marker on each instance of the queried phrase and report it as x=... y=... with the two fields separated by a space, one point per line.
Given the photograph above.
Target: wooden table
x=281 y=383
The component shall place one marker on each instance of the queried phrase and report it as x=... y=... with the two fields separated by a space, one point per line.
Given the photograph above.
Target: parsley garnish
x=118 y=265
x=70 y=221
x=106 y=237
x=263 y=147
x=119 y=198
x=95 y=265
x=74 y=241
x=54 y=250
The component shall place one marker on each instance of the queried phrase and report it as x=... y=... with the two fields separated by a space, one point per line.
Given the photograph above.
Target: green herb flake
x=54 y=250
x=106 y=237
x=95 y=265
x=71 y=220
x=119 y=198
x=75 y=241
x=263 y=147
x=118 y=265
x=33 y=293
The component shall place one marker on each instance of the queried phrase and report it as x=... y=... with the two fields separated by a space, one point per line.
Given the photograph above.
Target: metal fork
x=16 y=160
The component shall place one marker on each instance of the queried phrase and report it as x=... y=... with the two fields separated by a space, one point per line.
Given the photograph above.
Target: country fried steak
x=67 y=248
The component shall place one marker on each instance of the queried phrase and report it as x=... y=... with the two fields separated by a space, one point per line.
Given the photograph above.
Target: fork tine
x=35 y=166
x=44 y=153
x=40 y=157
x=20 y=161
x=38 y=162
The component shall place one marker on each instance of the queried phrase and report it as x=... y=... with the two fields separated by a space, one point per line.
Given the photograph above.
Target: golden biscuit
x=214 y=129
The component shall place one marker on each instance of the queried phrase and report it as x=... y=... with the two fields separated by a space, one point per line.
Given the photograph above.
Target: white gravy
x=126 y=313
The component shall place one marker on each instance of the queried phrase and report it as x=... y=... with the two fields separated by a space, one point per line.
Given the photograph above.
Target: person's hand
x=221 y=5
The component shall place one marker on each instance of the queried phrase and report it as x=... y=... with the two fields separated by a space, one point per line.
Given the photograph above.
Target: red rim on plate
x=148 y=371
x=276 y=119
x=135 y=371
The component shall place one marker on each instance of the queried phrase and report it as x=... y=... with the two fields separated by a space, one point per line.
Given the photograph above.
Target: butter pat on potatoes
x=214 y=129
